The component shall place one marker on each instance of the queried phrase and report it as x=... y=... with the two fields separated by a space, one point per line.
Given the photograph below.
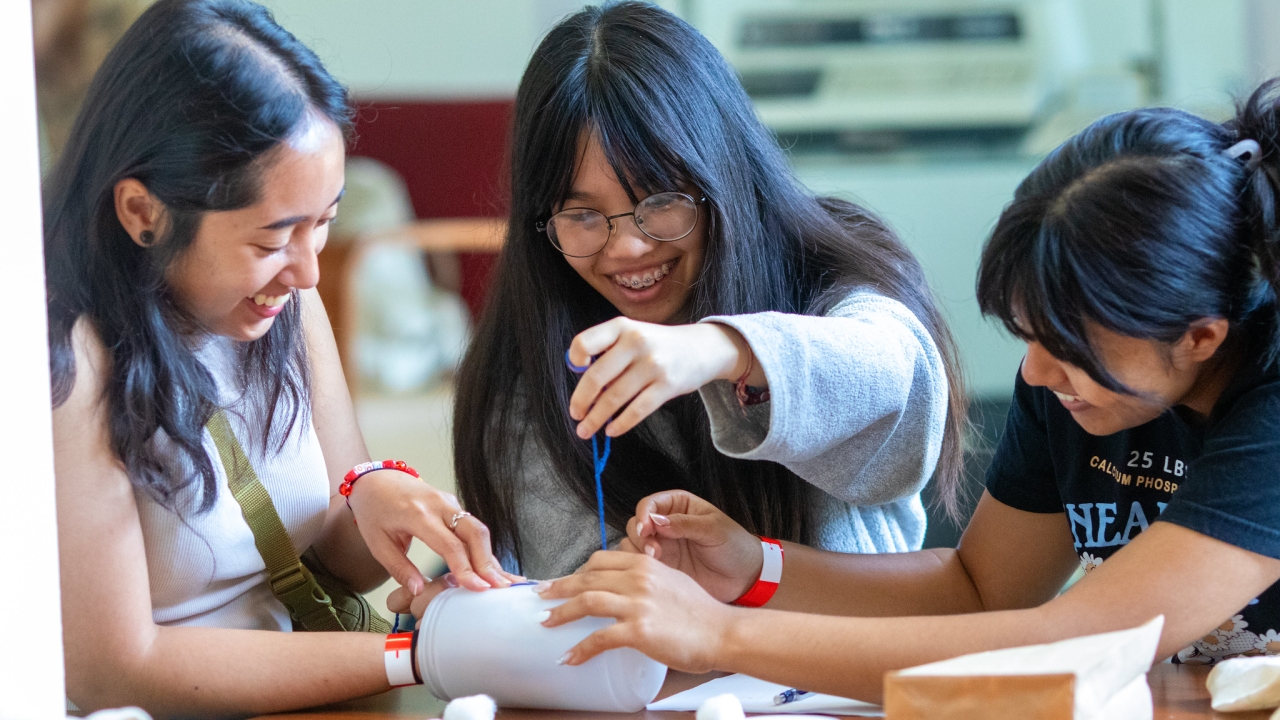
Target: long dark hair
x=669 y=113
x=189 y=102
x=1143 y=224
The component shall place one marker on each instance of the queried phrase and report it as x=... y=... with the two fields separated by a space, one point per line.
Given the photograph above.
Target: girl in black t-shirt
x=1139 y=264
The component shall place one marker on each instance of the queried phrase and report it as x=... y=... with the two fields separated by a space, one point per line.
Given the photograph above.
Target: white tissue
x=1108 y=666
x=721 y=707
x=474 y=707
x=1251 y=683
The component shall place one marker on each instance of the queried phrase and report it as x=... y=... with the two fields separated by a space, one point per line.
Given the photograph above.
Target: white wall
x=424 y=48
x=31 y=674
x=944 y=212
x=1206 y=54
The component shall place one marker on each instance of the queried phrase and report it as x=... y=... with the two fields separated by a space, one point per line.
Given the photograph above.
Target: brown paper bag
x=979 y=697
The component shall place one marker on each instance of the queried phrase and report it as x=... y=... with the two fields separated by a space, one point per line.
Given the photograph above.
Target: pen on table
x=789 y=696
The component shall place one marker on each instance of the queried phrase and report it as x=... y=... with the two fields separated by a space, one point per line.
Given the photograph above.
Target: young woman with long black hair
x=1139 y=264
x=181 y=231
x=656 y=226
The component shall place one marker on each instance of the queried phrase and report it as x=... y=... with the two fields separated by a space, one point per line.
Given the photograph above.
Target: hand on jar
x=392 y=508
x=660 y=611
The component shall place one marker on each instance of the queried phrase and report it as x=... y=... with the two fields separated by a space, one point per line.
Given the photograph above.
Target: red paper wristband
x=770 y=576
x=398 y=657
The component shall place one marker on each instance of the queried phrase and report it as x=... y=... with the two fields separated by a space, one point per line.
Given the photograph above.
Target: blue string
x=599 y=462
x=597 y=459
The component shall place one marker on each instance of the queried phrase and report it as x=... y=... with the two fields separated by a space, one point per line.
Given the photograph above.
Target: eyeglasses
x=583 y=232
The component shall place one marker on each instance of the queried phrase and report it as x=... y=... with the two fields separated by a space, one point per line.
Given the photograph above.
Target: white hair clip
x=1249 y=149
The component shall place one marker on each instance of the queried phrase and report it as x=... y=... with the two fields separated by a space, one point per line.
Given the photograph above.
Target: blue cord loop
x=597 y=460
x=600 y=461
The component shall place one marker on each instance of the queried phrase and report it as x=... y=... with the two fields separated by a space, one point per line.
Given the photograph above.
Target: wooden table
x=1178 y=690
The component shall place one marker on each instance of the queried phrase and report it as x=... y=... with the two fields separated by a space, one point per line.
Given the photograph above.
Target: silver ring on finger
x=453 y=522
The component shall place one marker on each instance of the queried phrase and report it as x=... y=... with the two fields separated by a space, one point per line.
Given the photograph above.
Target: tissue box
x=1094 y=677
x=979 y=697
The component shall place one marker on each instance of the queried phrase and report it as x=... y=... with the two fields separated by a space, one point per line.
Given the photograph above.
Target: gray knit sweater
x=858 y=402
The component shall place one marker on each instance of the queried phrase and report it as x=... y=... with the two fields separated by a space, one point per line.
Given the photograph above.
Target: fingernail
x=662 y=520
x=450 y=580
x=544 y=616
x=542 y=587
x=648 y=550
x=564 y=658
x=415 y=586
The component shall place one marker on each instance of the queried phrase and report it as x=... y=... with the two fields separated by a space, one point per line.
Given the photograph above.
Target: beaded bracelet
x=749 y=394
x=359 y=471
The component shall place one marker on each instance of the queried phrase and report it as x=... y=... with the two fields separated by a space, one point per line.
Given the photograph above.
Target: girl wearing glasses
x=1139 y=264
x=777 y=354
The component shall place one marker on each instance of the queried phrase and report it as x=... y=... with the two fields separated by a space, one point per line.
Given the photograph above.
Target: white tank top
x=204 y=567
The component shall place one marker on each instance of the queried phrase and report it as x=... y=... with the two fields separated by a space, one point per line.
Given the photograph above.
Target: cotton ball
x=125 y=713
x=721 y=707
x=475 y=707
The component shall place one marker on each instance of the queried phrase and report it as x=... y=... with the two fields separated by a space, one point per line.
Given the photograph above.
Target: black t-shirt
x=1219 y=477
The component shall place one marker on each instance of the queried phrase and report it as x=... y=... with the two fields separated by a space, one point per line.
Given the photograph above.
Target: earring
x=146 y=237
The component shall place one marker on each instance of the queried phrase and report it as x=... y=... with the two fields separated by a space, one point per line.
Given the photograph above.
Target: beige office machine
x=874 y=65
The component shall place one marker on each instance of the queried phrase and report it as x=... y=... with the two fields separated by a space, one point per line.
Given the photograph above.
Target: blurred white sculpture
x=409 y=333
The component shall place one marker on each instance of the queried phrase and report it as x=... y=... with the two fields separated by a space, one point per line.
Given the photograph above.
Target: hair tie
x=1249 y=149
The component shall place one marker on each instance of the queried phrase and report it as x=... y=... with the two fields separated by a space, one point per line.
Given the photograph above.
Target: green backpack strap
x=291 y=581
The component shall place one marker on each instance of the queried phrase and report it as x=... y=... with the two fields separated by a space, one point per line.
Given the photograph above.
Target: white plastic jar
x=492 y=643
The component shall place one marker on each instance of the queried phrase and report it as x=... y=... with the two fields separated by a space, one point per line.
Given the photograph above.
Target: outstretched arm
x=858 y=399
x=667 y=615
x=989 y=571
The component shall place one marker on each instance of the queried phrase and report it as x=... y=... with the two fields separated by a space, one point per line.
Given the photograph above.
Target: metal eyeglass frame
x=543 y=226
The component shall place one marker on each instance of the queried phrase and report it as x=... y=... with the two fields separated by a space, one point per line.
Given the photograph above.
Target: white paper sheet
x=756 y=696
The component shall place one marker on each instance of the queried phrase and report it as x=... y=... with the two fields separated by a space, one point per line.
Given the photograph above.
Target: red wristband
x=770 y=576
x=399 y=656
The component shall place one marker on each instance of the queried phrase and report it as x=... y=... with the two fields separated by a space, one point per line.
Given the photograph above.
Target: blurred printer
x=897 y=65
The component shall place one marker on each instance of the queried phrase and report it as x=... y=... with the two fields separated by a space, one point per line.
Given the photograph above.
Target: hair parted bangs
x=670 y=115
x=1032 y=285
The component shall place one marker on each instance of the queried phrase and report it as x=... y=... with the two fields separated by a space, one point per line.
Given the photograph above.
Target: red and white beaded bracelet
x=770 y=576
x=364 y=468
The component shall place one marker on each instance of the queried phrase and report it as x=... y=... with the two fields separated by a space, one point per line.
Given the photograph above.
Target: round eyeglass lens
x=578 y=232
x=666 y=216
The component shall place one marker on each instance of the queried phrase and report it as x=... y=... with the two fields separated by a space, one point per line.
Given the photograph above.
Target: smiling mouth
x=644 y=279
x=1067 y=398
